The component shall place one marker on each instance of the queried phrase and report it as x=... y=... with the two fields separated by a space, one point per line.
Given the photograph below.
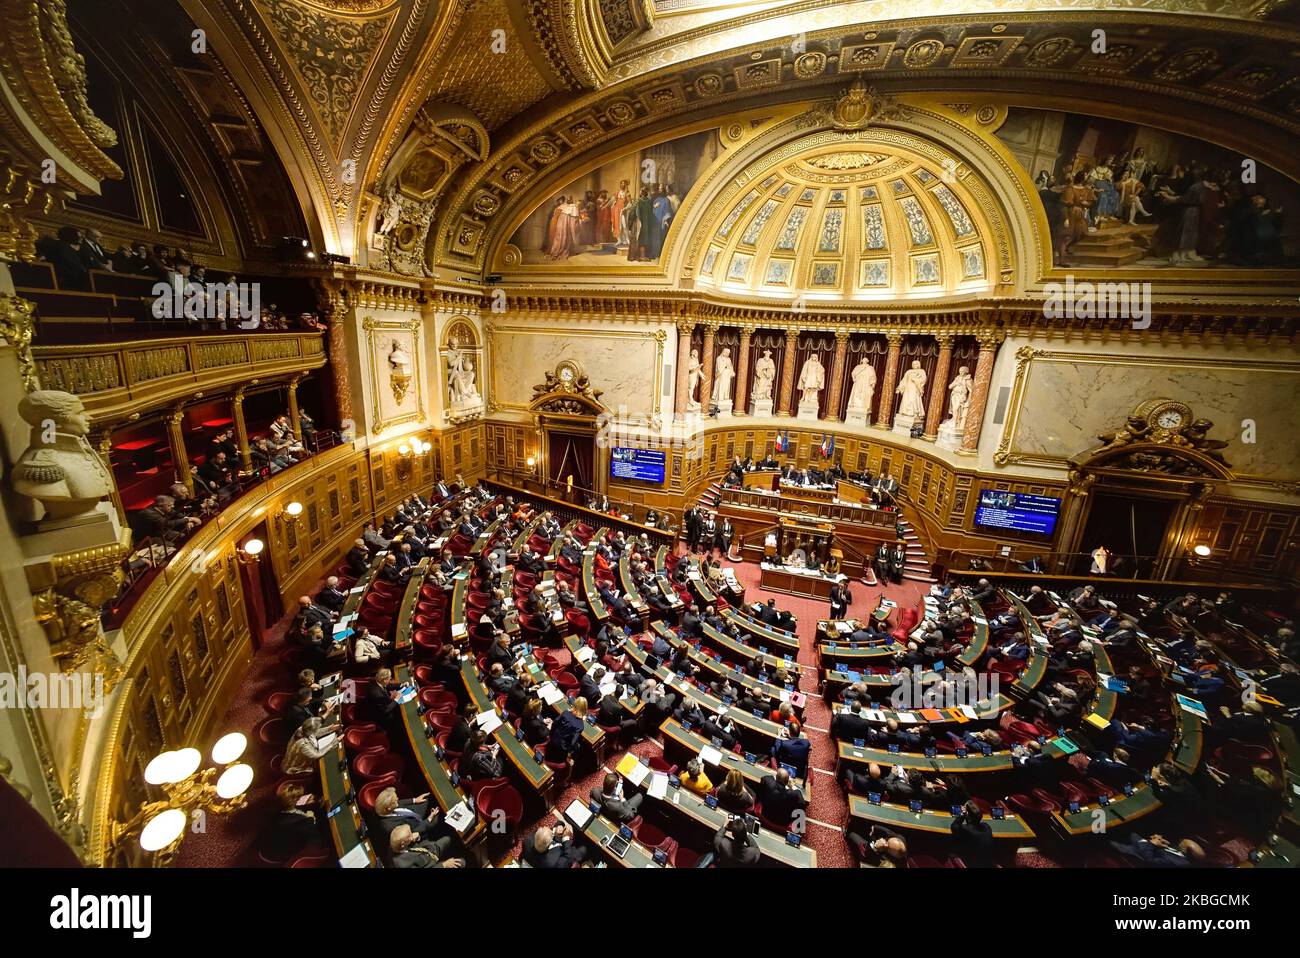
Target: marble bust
x=59 y=468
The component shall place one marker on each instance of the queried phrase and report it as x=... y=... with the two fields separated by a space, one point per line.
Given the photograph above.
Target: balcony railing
x=113 y=379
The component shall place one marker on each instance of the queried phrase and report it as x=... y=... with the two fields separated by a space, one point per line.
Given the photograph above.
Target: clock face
x=1169 y=418
x=566 y=374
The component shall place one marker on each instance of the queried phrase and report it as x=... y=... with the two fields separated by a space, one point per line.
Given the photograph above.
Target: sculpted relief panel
x=624 y=365
x=1067 y=400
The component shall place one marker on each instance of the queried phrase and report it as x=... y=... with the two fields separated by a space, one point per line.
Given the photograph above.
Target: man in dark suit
x=972 y=837
x=358 y=559
x=553 y=848
x=380 y=706
x=778 y=798
x=589 y=684
x=419 y=814
x=331 y=597
x=849 y=725
x=310 y=614
x=840 y=599
x=793 y=751
x=409 y=852
x=734 y=845
x=613 y=804
x=692 y=626
x=768 y=614
x=1157 y=852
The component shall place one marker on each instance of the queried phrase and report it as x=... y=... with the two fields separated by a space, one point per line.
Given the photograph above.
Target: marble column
x=938 y=388
x=241 y=431
x=706 y=366
x=970 y=440
x=103 y=443
x=889 y=380
x=784 y=407
x=837 y=375
x=295 y=421
x=741 y=393
x=684 y=331
x=176 y=439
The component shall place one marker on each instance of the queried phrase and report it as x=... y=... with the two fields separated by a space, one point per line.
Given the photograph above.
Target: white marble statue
x=812 y=379
x=693 y=374
x=959 y=391
x=723 y=374
x=460 y=383
x=912 y=388
x=764 y=376
x=864 y=387
x=59 y=468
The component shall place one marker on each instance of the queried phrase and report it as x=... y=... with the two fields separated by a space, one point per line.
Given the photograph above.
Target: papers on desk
x=461 y=817
x=967 y=711
x=907 y=718
x=357 y=588
x=710 y=755
x=844 y=627
x=634 y=770
x=358 y=856
x=1193 y=706
x=550 y=693
x=578 y=813
x=1096 y=721
x=488 y=721
x=459 y=630
x=585 y=654
x=875 y=715
x=341 y=633
x=607 y=685
x=405 y=694
x=658 y=787
x=327 y=742
x=347 y=619
x=888 y=603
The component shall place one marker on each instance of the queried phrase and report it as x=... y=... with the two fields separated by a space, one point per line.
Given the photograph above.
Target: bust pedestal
x=949 y=436
x=808 y=410
x=903 y=424
x=724 y=407
x=760 y=407
x=858 y=417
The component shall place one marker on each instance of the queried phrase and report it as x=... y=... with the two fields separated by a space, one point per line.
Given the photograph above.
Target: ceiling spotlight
x=1202 y=550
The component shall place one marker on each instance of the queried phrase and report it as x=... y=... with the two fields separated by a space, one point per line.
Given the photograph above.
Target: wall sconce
x=251 y=551
x=1202 y=550
x=292 y=510
x=219 y=789
x=426 y=448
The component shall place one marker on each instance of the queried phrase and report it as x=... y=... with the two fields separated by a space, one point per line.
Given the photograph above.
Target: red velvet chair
x=278 y=701
x=374 y=768
x=361 y=742
x=495 y=802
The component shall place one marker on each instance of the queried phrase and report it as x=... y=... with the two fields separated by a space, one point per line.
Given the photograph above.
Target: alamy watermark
x=1087 y=300
x=186 y=299
x=621 y=430
x=928 y=690
x=53 y=690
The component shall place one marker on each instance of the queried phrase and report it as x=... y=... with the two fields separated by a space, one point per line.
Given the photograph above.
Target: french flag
x=783 y=441
x=827 y=446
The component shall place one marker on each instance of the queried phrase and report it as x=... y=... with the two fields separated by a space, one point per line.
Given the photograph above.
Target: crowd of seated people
x=883 y=489
x=1154 y=648
x=73 y=253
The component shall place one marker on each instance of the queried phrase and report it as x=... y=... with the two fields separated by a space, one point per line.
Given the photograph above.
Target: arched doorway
x=1138 y=494
x=569 y=416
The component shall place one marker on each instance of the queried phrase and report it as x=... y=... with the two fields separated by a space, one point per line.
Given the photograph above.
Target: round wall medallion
x=923 y=53
x=710 y=84
x=810 y=65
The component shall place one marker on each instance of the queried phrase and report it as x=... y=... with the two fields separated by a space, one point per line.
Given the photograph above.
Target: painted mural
x=620 y=213
x=1126 y=196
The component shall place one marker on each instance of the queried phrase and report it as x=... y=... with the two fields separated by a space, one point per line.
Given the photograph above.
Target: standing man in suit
x=793 y=750
x=972 y=837
x=840 y=599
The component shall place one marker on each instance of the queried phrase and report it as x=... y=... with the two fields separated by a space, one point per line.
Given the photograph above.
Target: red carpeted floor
x=231 y=840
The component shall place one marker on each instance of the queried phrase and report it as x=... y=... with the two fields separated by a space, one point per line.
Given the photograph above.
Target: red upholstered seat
x=500 y=801
x=373 y=768
x=361 y=742
x=432 y=698
x=273 y=731
x=278 y=701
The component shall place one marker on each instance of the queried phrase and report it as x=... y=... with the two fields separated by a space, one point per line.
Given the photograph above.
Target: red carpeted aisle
x=228 y=841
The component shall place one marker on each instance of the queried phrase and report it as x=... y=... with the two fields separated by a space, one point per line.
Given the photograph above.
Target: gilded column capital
x=894 y=337
x=17 y=329
x=842 y=335
x=945 y=340
x=685 y=326
x=990 y=338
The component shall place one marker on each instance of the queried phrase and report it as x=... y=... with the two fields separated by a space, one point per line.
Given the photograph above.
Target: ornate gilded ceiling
x=846 y=221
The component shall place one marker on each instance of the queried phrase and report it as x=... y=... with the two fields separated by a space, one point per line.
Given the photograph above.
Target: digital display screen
x=1017 y=512
x=647 y=465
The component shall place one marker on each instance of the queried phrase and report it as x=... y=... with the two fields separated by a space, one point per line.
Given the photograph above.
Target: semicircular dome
x=852 y=220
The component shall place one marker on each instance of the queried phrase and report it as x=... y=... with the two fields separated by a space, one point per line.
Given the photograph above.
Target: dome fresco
x=849 y=223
